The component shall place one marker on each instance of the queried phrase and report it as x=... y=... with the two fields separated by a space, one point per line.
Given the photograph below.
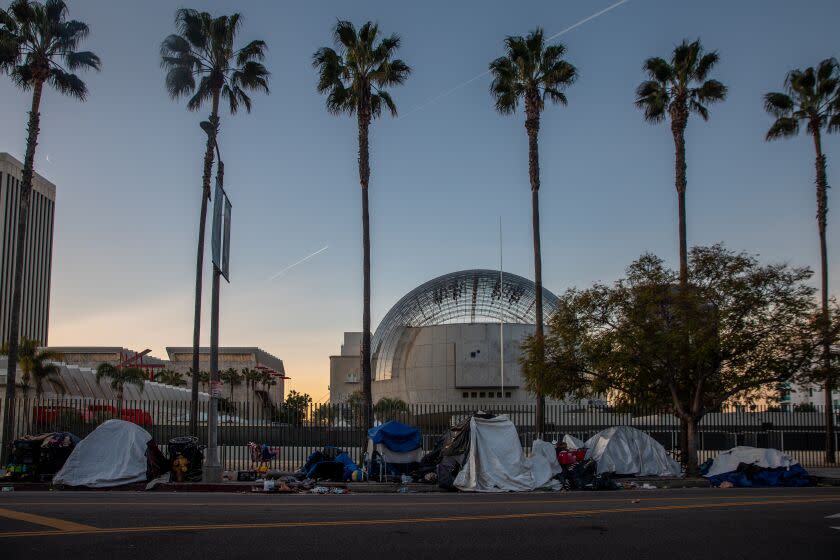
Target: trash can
x=189 y=449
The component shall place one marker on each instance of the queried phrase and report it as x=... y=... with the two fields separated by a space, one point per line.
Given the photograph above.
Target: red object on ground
x=580 y=454
x=567 y=457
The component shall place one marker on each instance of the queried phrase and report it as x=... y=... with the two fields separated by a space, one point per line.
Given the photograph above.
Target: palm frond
x=344 y=34
x=784 y=127
x=68 y=84
x=555 y=96
x=203 y=92
x=83 y=59
x=658 y=69
x=834 y=123
x=653 y=99
x=704 y=66
x=253 y=51
x=711 y=91
x=386 y=100
x=699 y=109
x=778 y=104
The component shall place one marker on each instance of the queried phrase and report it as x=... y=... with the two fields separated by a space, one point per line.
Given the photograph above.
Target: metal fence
x=294 y=433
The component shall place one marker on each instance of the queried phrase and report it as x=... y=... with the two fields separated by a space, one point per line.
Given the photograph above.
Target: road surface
x=643 y=524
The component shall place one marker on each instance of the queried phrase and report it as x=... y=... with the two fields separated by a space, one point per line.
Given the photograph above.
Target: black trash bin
x=188 y=447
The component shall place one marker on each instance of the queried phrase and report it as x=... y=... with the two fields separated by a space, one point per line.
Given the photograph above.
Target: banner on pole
x=220 y=241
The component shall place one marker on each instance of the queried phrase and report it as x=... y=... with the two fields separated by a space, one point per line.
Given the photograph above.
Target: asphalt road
x=644 y=524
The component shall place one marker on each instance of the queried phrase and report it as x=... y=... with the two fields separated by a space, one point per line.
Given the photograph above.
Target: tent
x=495 y=461
x=115 y=453
x=394 y=449
x=745 y=466
x=572 y=442
x=628 y=451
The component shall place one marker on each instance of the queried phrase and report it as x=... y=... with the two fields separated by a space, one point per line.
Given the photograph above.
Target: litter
x=320 y=490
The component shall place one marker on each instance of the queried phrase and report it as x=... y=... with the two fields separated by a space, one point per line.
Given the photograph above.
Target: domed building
x=446 y=340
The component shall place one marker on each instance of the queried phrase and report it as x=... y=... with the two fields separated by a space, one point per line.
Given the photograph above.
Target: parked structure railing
x=294 y=433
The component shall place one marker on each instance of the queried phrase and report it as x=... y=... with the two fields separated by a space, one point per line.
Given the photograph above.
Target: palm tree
x=38 y=46
x=251 y=377
x=33 y=366
x=170 y=377
x=119 y=378
x=676 y=89
x=204 y=48
x=532 y=72
x=353 y=79
x=812 y=98
x=232 y=378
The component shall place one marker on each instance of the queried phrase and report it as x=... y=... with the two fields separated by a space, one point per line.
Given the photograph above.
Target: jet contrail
x=303 y=260
x=479 y=76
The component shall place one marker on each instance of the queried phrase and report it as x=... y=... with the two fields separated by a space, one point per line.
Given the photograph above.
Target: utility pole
x=220 y=243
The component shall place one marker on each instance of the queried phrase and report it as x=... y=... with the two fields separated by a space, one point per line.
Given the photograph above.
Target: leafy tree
x=170 y=377
x=675 y=90
x=391 y=409
x=119 y=378
x=748 y=326
x=295 y=407
x=812 y=98
x=354 y=79
x=233 y=378
x=38 y=47
x=33 y=366
x=204 y=48
x=533 y=73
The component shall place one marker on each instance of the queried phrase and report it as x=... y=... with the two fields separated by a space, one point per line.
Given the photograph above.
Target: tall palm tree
x=38 y=47
x=532 y=72
x=120 y=377
x=204 y=48
x=812 y=98
x=353 y=79
x=675 y=90
x=251 y=377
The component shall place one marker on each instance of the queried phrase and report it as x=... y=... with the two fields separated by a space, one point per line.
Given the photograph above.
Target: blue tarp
x=752 y=476
x=396 y=436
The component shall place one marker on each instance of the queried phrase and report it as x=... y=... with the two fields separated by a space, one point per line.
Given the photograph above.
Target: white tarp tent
x=626 y=450
x=497 y=463
x=572 y=442
x=112 y=455
x=728 y=461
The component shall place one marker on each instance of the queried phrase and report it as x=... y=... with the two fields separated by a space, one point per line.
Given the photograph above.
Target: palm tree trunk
x=532 y=126
x=678 y=124
x=680 y=182
x=33 y=128
x=822 y=216
x=120 y=397
x=199 y=266
x=364 y=179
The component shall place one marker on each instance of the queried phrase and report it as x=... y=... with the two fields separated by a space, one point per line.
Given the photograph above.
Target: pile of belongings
x=745 y=466
x=579 y=473
x=115 y=453
x=394 y=450
x=483 y=454
x=626 y=451
x=330 y=463
x=39 y=457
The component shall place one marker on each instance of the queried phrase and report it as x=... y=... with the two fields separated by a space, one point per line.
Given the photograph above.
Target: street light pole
x=212 y=471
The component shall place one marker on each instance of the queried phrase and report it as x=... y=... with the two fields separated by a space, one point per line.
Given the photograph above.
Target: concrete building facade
x=443 y=342
x=35 y=301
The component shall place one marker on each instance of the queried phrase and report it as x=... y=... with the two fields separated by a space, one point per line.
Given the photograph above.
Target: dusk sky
x=127 y=165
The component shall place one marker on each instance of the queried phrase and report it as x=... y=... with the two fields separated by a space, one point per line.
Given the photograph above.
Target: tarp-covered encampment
x=394 y=449
x=496 y=462
x=396 y=436
x=572 y=442
x=746 y=466
x=115 y=453
x=628 y=451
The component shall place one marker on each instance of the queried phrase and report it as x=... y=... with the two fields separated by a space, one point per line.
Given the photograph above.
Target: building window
x=810 y=391
x=481 y=395
x=474 y=394
x=499 y=395
x=464 y=395
x=507 y=394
